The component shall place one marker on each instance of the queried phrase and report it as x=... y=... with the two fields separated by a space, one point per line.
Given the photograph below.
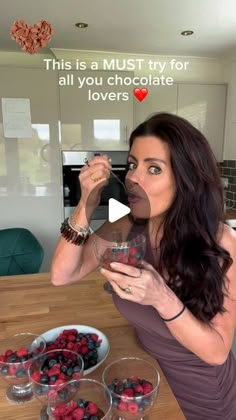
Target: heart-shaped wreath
x=31 y=38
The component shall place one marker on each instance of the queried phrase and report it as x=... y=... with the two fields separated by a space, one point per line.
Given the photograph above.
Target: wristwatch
x=76 y=237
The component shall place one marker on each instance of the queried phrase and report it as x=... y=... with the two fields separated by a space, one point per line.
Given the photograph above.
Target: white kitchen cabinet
x=159 y=99
x=95 y=117
x=204 y=106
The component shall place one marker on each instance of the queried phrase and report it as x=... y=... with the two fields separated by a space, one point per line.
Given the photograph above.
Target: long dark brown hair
x=189 y=252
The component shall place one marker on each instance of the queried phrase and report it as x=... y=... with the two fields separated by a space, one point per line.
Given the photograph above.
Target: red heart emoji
x=31 y=38
x=140 y=94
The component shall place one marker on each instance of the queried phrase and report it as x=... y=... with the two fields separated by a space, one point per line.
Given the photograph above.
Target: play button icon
x=116 y=210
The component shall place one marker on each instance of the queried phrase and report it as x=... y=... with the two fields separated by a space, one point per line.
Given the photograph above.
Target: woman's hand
x=142 y=285
x=94 y=176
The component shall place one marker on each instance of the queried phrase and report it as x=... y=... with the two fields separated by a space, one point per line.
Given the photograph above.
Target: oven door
x=72 y=190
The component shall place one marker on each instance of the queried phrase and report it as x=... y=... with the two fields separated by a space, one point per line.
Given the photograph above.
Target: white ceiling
x=131 y=26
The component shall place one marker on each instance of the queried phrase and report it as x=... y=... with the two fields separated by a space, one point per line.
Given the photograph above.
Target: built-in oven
x=73 y=161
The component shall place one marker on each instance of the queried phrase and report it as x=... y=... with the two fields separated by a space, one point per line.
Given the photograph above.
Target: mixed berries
x=86 y=345
x=126 y=255
x=55 y=368
x=78 y=410
x=16 y=362
x=132 y=393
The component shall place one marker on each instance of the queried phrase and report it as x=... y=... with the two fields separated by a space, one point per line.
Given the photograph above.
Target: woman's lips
x=133 y=199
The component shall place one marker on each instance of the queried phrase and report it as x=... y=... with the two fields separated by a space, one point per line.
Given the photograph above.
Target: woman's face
x=150 y=176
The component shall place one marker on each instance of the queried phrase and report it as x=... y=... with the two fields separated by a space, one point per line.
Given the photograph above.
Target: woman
x=182 y=301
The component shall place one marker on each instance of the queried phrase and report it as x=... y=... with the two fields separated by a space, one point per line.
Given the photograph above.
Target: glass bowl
x=52 y=369
x=85 y=398
x=114 y=246
x=16 y=355
x=134 y=385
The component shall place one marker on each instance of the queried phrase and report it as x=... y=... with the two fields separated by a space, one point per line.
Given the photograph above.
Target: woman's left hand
x=142 y=285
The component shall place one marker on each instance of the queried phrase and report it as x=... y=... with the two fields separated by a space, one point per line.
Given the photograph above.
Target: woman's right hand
x=93 y=178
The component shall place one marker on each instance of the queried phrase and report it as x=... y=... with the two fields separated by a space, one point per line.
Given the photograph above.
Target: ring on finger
x=128 y=290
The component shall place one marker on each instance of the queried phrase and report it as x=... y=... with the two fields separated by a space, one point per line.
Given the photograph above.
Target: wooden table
x=31 y=304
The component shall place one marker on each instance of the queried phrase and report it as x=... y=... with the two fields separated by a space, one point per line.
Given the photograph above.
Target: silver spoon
x=115 y=176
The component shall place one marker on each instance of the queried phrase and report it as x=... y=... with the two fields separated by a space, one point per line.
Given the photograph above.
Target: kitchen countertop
x=30 y=303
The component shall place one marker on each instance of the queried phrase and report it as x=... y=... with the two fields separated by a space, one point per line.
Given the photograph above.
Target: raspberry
x=133 y=261
x=59 y=410
x=78 y=414
x=133 y=251
x=70 y=346
x=8 y=353
x=70 y=407
x=36 y=376
x=128 y=392
x=3 y=358
x=147 y=387
x=84 y=350
x=59 y=382
x=138 y=388
x=122 y=406
x=12 y=370
x=71 y=338
x=22 y=352
x=132 y=408
x=83 y=340
x=94 y=337
x=92 y=408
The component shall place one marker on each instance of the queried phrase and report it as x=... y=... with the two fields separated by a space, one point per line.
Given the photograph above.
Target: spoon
x=115 y=176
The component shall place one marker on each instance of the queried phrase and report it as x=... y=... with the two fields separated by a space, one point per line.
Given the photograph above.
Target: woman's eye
x=129 y=165
x=156 y=170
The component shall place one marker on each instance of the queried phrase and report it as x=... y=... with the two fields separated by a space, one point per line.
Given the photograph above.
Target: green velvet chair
x=20 y=252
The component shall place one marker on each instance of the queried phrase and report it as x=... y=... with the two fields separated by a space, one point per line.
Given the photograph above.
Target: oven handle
x=79 y=169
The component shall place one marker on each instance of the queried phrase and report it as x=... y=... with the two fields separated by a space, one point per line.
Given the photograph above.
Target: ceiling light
x=81 y=25
x=187 y=33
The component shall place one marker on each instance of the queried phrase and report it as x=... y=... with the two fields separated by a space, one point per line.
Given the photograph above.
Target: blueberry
x=76 y=369
x=38 y=390
x=53 y=378
x=44 y=379
x=4 y=370
x=63 y=369
x=63 y=394
x=93 y=418
x=69 y=371
x=24 y=358
x=115 y=381
x=20 y=373
x=12 y=358
x=80 y=402
x=52 y=362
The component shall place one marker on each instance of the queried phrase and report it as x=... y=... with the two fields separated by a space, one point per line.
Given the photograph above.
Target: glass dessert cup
x=52 y=369
x=134 y=385
x=17 y=353
x=84 y=397
x=115 y=247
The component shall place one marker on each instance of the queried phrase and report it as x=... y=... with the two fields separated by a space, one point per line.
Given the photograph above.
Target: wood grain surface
x=31 y=303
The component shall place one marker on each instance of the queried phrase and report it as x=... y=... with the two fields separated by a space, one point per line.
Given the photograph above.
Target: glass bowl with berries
x=134 y=385
x=16 y=355
x=85 y=399
x=91 y=343
x=119 y=246
x=52 y=369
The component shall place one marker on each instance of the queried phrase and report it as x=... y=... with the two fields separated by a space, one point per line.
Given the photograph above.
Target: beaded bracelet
x=176 y=316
